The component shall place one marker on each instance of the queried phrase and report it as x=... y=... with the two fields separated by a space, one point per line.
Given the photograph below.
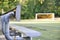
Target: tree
x=30 y=8
x=7 y=5
x=57 y=9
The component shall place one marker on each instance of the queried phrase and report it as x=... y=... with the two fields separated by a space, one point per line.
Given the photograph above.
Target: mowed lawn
x=50 y=31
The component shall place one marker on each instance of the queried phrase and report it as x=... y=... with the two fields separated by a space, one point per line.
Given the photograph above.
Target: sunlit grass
x=50 y=31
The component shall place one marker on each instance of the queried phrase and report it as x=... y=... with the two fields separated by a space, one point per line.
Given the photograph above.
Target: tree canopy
x=31 y=7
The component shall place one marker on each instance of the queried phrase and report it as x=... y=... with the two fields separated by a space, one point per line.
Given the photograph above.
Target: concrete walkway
x=2 y=37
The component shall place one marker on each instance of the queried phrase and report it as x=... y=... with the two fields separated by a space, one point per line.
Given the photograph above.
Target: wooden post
x=18 y=12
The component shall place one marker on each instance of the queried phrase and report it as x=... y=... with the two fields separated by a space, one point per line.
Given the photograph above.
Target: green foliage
x=8 y=5
x=31 y=7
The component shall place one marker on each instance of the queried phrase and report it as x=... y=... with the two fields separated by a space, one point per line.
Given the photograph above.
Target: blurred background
x=30 y=7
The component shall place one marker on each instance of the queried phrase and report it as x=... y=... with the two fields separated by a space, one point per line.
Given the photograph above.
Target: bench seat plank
x=28 y=32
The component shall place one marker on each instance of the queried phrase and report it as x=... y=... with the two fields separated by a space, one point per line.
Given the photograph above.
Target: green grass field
x=50 y=31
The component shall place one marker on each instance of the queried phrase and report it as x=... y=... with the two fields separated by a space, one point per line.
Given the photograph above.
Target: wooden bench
x=25 y=32
x=45 y=16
